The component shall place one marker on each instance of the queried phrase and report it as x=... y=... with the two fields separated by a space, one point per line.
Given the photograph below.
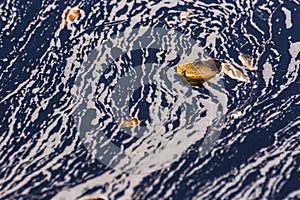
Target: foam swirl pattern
x=64 y=90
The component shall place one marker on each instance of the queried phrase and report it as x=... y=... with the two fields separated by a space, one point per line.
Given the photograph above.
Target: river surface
x=65 y=90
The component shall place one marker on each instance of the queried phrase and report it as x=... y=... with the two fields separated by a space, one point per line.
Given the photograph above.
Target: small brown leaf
x=247 y=61
x=71 y=14
x=131 y=123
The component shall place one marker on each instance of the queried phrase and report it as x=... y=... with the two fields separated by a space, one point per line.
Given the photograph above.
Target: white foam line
x=279 y=152
x=36 y=24
x=288 y=17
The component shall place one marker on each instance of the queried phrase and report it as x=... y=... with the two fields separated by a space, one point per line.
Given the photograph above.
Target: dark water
x=65 y=90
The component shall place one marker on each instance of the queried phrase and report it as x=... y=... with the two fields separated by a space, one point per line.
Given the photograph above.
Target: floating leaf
x=200 y=71
x=71 y=14
x=234 y=73
x=131 y=123
x=247 y=61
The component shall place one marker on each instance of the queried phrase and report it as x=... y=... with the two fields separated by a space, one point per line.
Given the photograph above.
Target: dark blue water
x=65 y=90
